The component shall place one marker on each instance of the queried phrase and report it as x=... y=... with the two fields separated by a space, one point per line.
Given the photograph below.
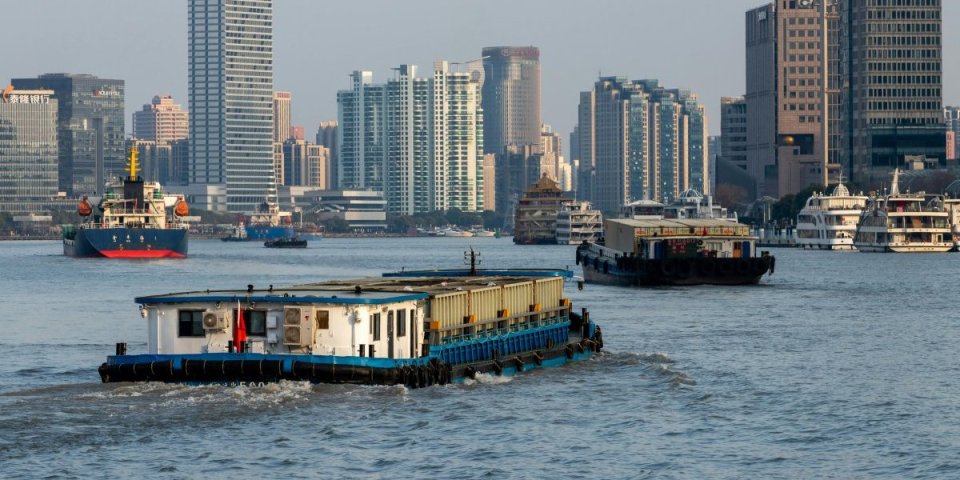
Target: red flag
x=240 y=330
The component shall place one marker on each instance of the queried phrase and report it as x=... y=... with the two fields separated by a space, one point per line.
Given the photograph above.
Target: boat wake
x=488 y=379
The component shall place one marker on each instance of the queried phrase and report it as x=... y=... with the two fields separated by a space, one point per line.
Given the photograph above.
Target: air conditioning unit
x=214 y=321
x=298 y=326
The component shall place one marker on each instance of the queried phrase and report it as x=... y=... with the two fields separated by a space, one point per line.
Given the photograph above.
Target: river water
x=840 y=365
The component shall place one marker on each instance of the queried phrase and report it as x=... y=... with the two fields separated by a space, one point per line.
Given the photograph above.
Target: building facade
x=90 y=129
x=951 y=119
x=161 y=121
x=511 y=97
x=230 y=83
x=28 y=150
x=457 y=130
x=892 y=96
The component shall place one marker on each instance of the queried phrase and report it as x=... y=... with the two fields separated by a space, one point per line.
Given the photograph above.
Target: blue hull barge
x=405 y=329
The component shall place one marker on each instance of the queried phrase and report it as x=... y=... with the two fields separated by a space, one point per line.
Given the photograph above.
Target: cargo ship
x=405 y=328
x=267 y=223
x=647 y=249
x=133 y=219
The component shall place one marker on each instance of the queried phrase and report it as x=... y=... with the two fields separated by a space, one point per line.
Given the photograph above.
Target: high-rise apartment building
x=161 y=121
x=90 y=129
x=892 y=79
x=417 y=139
x=28 y=150
x=409 y=184
x=644 y=142
x=327 y=136
x=360 y=137
x=457 y=130
x=281 y=116
x=230 y=82
x=582 y=149
x=511 y=97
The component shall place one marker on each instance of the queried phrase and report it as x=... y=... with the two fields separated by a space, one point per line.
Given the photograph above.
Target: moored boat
x=904 y=223
x=829 y=222
x=403 y=329
x=136 y=220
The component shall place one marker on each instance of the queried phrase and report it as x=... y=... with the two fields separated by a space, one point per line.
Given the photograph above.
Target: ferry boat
x=135 y=220
x=403 y=329
x=903 y=222
x=577 y=222
x=267 y=223
x=693 y=204
x=952 y=206
x=646 y=249
x=830 y=221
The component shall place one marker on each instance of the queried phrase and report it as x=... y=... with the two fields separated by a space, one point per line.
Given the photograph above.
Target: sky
x=691 y=44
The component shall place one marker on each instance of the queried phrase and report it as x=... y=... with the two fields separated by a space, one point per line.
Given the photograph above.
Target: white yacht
x=829 y=222
x=903 y=222
x=577 y=222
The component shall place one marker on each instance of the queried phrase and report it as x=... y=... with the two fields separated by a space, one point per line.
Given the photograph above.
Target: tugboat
x=267 y=223
x=649 y=250
x=402 y=329
x=133 y=222
x=295 y=242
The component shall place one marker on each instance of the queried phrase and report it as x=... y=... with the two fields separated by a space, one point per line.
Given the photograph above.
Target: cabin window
x=190 y=323
x=401 y=323
x=323 y=319
x=256 y=322
x=375 y=326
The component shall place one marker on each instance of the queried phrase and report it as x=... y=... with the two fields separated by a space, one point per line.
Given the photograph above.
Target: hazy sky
x=692 y=44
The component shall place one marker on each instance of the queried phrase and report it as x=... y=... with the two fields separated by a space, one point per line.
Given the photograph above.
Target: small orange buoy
x=181 y=209
x=83 y=208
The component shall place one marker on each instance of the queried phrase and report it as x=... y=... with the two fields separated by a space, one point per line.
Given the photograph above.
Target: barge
x=403 y=329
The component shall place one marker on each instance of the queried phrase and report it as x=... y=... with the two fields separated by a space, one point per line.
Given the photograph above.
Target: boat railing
x=498 y=327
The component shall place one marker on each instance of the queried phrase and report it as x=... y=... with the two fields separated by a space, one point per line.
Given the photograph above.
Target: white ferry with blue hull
x=402 y=330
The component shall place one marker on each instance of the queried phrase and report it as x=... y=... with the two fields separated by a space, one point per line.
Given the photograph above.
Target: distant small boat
x=295 y=242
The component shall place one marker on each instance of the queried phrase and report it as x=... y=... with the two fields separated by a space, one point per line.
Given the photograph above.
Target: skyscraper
x=409 y=167
x=161 y=121
x=360 y=134
x=230 y=81
x=28 y=150
x=644 y=142
x=891 y=96
x=281 y=116
x=511 y=97
x=457 y=129
x=785 y=103
x=90 y=128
